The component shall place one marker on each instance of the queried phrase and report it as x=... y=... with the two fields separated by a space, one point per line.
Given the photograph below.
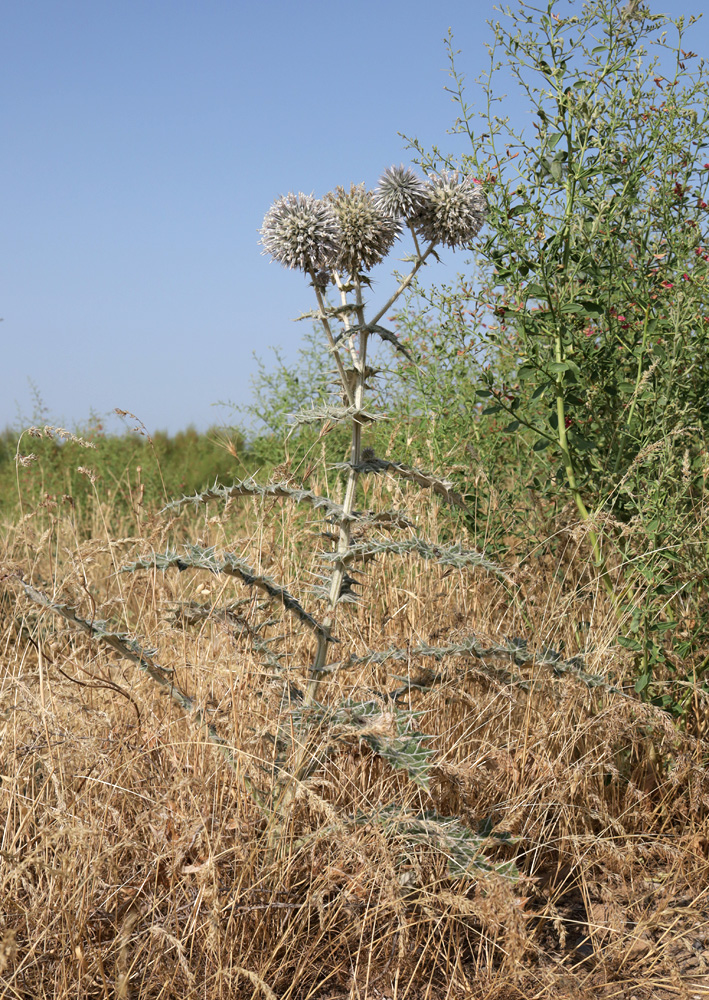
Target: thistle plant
x=335 y=242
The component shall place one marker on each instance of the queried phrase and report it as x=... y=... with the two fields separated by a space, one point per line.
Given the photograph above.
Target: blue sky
x=143 y=142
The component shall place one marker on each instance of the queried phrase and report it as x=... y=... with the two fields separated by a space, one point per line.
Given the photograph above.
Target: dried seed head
x=455 y=210
x=300 y=231
x=401 y=193
x=366 y=234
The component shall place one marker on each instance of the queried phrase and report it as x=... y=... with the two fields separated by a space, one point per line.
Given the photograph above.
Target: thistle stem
x=331 y=340
x=343 y=543
x=404 y=284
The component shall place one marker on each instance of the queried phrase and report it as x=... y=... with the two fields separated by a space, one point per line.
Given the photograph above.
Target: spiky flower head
x=300 y=231
x=365 y=233
x=401 y=193
x=455 y=210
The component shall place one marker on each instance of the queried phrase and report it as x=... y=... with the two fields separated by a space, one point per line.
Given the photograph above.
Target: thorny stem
x=343 y=543
x=331 y=340
x=359 y=361
x=356 y=398
x=343 y=288
x=355 y=394
x=421 y=260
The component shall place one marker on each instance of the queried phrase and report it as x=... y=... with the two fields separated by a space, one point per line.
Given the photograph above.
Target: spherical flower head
x=401 y=193
x=455 y=211
x=365 y=233
x=300 y=231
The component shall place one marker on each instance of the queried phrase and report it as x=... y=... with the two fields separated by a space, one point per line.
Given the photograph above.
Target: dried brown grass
x=135 y=863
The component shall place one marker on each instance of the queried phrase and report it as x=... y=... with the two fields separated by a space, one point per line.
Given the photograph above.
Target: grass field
x=179 y=819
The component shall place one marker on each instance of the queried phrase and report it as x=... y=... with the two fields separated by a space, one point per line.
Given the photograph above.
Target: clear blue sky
x=142 y=143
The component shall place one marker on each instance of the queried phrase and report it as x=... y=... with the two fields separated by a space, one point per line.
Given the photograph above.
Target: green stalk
x=638 y=377
x=598 y=558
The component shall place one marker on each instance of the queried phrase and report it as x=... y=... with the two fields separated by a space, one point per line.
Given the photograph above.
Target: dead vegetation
x=139 y=858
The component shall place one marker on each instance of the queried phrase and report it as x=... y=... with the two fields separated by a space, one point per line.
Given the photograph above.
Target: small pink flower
x=667 y=284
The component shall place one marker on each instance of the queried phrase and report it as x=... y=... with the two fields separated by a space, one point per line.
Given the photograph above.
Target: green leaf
x=511 y=427
x=642 y=682
x=536 y=292
x=591 y=308
x=541 y=444
x=627 y=643
x=582 y=443
x=664 y=626
x=519 y=210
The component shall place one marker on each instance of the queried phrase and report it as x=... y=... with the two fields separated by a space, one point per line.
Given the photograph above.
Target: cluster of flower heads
x=353 y=230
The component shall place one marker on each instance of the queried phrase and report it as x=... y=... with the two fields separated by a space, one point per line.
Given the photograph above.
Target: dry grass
x=135 y=862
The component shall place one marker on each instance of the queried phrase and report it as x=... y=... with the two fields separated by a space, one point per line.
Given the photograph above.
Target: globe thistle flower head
x=401 y=193
x=455 y=210
x=300 y=231
x=365 y=233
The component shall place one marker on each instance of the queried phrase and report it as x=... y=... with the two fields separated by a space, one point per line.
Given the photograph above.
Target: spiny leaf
x=196 y=557
x=461 y=846
x=405 y=753
x=440 y=487
x=334 y=511
x=385 y=334
x=332 y=312
x=442 y=555
x=250 y=488
x=515 y=650
x=385 y=730
x=336 y=415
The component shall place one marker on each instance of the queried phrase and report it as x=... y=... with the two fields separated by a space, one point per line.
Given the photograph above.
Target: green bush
x=578 y=350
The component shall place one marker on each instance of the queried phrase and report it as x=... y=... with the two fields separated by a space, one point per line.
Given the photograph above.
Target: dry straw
x=398 y=805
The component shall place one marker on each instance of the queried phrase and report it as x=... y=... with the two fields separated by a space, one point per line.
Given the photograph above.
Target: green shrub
x=585 y=332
